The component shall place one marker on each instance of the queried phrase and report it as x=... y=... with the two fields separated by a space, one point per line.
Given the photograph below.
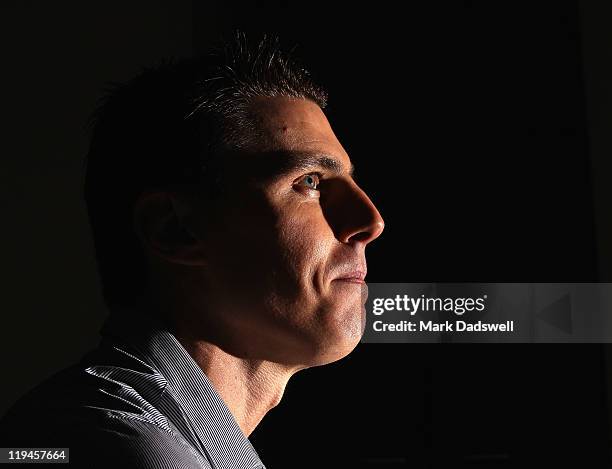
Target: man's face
x=284 y=240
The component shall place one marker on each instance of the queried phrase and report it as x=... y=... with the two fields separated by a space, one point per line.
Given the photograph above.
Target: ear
x=161 y=223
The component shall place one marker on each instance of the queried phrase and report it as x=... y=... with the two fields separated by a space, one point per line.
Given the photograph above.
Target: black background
x=467 y=124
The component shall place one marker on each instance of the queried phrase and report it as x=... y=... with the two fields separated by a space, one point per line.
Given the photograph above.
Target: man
x=230 y=238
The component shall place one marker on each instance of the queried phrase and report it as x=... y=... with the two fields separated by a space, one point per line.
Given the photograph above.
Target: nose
x=358 y=217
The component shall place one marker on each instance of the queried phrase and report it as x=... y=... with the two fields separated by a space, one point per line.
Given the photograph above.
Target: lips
x=356 y=276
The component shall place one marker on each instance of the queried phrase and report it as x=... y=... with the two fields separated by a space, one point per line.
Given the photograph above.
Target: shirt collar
x=203 y=407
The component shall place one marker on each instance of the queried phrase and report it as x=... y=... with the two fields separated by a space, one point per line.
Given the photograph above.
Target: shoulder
x=108 y=378
x=109 y=440
x=133 y=443
x=104 y=413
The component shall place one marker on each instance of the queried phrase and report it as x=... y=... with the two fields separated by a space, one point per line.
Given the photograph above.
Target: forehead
x=296 y=125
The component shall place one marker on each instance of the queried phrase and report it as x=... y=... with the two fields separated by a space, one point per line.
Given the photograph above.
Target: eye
x=311 y=181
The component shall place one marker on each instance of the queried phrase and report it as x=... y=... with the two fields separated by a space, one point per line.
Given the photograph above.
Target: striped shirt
x=137 y=400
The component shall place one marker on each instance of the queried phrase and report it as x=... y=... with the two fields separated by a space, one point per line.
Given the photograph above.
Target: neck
x=249 y=388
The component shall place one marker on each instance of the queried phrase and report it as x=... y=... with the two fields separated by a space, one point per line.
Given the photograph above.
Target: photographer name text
x=446 y=326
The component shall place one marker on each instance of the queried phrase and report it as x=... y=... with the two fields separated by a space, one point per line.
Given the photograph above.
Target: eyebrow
x=289 y=161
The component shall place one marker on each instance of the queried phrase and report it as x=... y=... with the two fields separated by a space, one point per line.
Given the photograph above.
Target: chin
x=332 y=354
x=339 y=337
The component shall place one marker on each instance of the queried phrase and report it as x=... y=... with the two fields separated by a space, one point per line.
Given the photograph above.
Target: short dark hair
x=163 y=129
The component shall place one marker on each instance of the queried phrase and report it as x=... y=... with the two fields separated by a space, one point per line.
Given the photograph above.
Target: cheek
x=306 y=242
x=266 y=246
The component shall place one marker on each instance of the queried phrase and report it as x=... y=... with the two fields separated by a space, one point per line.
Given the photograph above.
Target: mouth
x=357 y=277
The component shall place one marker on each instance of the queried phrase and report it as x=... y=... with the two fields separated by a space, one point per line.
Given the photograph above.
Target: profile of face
x=276 y=265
